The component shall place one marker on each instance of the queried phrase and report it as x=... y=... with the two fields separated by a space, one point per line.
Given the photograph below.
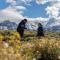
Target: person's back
x=40 y=30
x=21 y=27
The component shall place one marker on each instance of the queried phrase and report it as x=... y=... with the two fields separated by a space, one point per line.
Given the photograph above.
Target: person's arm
x=25 y=28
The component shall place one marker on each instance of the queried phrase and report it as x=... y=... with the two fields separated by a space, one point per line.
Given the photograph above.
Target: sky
x=33 y=10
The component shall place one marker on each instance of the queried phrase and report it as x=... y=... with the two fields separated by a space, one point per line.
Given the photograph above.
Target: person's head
x=39 y=24
x=25 y=20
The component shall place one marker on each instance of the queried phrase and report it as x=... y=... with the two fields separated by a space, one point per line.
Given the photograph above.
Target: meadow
x=32 y=48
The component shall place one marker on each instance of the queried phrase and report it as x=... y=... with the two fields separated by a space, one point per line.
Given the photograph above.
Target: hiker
x=40 y=30
x=21 y=27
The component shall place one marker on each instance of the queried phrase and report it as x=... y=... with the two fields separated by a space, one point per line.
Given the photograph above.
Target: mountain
x=8 y=25
x=53 y=25
x=50 y=25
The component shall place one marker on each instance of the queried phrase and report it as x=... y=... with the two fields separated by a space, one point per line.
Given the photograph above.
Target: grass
x=32 y=48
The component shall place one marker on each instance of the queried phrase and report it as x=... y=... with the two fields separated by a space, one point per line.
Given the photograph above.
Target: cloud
x=10 y=13
x=11 y=2
x=54 y=10
x=13 y=11
x=24 y=2
x=54 y=13
x=20 y=7
x=19 y=2
x=41 y=1
x=45 y=1
x=38 y=20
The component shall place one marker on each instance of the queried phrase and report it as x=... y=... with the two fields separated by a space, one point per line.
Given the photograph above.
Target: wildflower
x=6 y=44
x=59 y=57
x=34 y=58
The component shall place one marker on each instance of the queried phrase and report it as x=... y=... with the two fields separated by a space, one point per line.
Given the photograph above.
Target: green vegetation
x=32 y=48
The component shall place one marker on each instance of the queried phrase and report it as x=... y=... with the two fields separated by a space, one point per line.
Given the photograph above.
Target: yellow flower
x=1 y=37
x=17 y=35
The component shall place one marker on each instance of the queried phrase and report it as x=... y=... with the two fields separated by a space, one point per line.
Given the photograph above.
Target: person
x=21 y=27
x=40 y=30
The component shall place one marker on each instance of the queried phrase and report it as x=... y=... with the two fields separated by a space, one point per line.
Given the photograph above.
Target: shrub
x=12 y=38
x=47 y=50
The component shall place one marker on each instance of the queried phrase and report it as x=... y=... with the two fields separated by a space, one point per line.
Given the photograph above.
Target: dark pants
x=40 y=33
x=21 y=33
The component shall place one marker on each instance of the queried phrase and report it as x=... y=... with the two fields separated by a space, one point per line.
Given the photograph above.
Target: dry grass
x=33 y=48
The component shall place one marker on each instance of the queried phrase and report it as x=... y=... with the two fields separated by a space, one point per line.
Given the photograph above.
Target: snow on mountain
x=49 y=25
x=53 y=25
x=7 y=25
x=53 y=22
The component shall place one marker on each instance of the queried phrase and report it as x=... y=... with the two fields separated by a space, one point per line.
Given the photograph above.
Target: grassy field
x=32 y=48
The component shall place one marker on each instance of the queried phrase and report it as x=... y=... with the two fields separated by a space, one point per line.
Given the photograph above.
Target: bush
x=12 y=38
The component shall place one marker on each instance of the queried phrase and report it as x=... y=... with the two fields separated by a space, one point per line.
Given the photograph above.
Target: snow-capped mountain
x=50 y=25
x=8 y=25
x=53 y=25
